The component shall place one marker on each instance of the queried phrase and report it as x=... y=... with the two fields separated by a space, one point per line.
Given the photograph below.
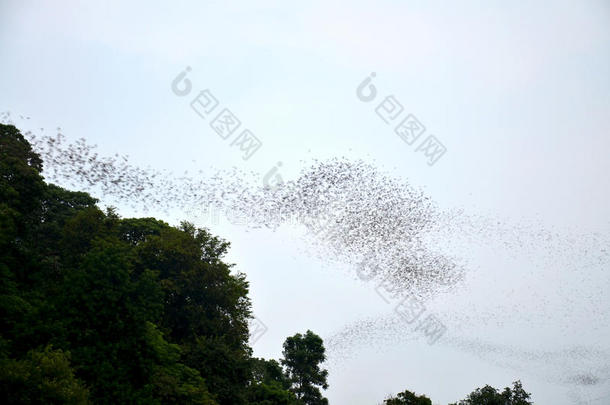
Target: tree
x=205 y=307
x=271 y=393
x=408 y=398
x=21 y=185
x=267 y=371
x=173 y=382
x=488 y=395
x=42 y=377
x=21 y=193
x=104 y=309
x=518 y=396
x=150 y=313
x=269 y=384
x=303 y=355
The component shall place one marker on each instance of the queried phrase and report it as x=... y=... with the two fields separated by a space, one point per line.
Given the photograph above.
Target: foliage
x=408 y=398
x=269 y=384
x=491 y=396
x=148 y=313
x=303 y=355
x=42 y=377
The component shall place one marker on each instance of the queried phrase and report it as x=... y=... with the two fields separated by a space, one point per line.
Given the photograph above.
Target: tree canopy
x=489 y=395
x=303 y=355
x=408 y=398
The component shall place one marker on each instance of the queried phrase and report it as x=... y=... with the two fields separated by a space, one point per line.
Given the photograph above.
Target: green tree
x=271 y=393
x=489 y=395
x=206 y=308
x=173 y=382
x=21 y=193
x=42 y=377
x=408 y=398
x=303 y=355
x=21 y=185
x=517 y=396
x=268 y=370
x=269 y=384
x=105 y=305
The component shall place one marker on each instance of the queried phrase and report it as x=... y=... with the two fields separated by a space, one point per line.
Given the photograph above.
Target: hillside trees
x=135 y=310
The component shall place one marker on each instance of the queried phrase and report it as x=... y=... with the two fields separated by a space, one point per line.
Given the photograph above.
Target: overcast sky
x=518 y=93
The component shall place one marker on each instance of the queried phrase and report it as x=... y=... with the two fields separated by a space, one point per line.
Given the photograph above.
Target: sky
x=516 y=93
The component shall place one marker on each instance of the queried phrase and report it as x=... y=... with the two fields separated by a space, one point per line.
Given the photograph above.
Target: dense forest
x=99 y=309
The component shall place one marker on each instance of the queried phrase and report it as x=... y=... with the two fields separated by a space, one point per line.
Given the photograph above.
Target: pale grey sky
x=517 y=92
